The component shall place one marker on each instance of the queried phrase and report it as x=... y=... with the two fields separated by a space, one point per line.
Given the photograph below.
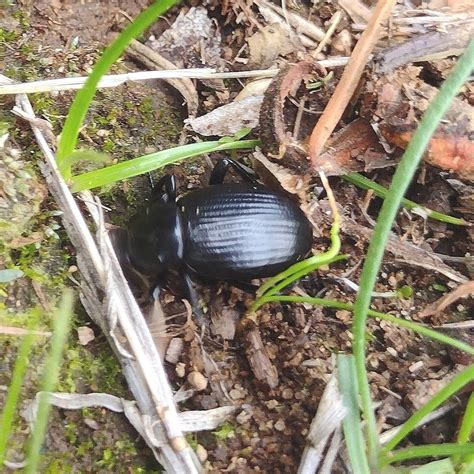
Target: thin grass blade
x=153 y=161
x=401 y=180
x=462 y=379
x=353 y=433
x=62 y=321
x=427 y=451
x=11 y=402
x=80 y=105
x=381 y=191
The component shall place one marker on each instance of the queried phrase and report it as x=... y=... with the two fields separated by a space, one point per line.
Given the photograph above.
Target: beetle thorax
x=156 y=238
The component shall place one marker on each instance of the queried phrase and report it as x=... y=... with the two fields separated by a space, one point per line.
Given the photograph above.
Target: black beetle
x=225 y=231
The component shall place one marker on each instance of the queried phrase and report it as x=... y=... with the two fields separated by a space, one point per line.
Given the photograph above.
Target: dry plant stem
x=14 y=331
x=331 y=411
x=356 y=9
x=296 y=21
x=349 y=80
x=115 y=80
x=92 y=267
x=386 y=436
x=152 y=60
x=336 y=18
x=461 y=291
x=191 y=420
x=434 y=45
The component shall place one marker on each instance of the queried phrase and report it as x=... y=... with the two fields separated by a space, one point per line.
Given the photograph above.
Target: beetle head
x=155 y=240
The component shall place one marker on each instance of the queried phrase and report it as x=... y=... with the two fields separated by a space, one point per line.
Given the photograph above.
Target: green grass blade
x=11 y=402
x=466 y=430
x=415 y=327
x=462 y=379
x=146 y=163
x=353 y=434
x=300 y=269
x=80 y=105
x=62 y=321
x=467 y=467
x=427 y=451
x=381 y=191
x=443 y=466
x=401 y=180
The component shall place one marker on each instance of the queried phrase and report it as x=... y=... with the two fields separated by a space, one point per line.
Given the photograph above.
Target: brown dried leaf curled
x=446 y=150
x=277 y=141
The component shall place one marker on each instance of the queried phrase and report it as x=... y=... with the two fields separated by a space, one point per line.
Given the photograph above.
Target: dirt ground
x=48 y=39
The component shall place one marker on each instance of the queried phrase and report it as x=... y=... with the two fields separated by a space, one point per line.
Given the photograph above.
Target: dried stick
x=146 y=378
x=152 y=60
x=331 y=411
x=349 y=80
x=336 y=18
x=356 y=9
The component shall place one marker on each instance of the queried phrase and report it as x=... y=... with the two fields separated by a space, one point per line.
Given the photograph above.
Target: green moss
x=87 y=371
x=61 y=464
x=225 y=431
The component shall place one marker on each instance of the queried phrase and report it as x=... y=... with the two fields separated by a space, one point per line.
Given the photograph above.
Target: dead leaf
x=193 y=40
x=275 y=136
x=267 y=44
x=228 y=119
x=224 y=322
x=447 y=150
x=355 y=147
x=280 y=179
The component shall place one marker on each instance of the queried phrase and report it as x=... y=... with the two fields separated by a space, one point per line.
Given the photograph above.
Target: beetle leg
x=222 y=167
x=192 y=297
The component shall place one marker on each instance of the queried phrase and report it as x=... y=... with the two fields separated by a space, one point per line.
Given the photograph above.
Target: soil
x=268 y=433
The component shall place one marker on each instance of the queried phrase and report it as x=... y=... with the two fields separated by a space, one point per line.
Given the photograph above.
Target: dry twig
x=144 y=372
x=349 y=80
x=331 y=411
x=462 y=291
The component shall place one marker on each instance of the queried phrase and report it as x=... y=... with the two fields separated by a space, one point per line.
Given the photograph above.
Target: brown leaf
x=267 y=44
x=355 y=147
x=446 y=150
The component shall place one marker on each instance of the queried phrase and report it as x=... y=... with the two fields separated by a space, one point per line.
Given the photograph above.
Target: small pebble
x=91 y=423
x=287 y=393
x=416 y=366
x=201 y=453
x=236 y=394
x=178 y=443
x=243 y=417
x=271 y=404
x=85 y=335
x=197 y=380
x=280 y=425
x=174 y=350
x=180 y=369
x=296 y=360
x=392 y=351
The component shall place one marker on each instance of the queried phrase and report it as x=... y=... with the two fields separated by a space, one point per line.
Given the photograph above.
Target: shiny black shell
x=242 y=231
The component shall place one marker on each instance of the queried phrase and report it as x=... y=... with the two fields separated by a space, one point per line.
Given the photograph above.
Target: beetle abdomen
x=242 y=231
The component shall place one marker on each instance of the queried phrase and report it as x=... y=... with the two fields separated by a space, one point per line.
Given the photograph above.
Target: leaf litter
x=271 y=424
